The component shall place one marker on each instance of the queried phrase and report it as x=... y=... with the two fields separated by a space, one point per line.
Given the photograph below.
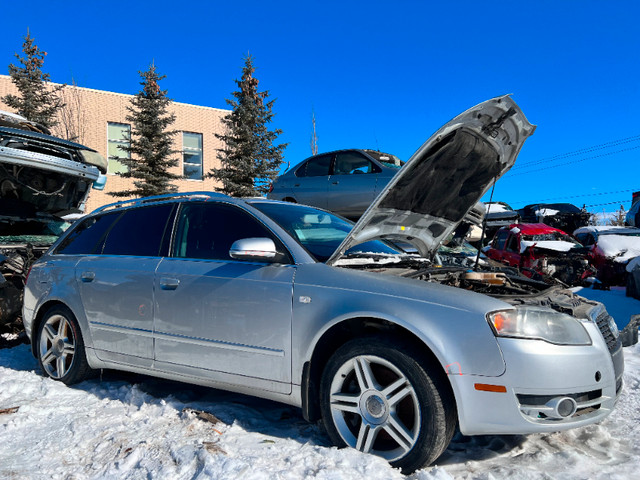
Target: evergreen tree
x=149 y=143
x=37 y=101
x=249 y=159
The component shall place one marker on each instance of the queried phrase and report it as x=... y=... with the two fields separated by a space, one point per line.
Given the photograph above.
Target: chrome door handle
x=88 y=277
x=167 y=283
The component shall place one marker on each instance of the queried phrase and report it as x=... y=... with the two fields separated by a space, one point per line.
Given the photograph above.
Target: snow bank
x=132 y=427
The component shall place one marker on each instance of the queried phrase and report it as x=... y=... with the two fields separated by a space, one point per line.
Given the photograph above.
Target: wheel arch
x=359 y=327
x=39 y=317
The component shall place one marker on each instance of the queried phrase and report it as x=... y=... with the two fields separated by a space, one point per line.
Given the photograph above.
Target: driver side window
x=207 y=231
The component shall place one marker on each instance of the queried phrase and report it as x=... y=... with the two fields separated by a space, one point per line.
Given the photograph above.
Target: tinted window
x=349 y=163
x=501 y=237
x=87 y=237
x=315 y=167
x=138 y=232
x=512 y=244
x=208 y=230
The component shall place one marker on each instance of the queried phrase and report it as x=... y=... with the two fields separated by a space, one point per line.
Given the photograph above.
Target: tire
x=376 y=397
x=60 y=347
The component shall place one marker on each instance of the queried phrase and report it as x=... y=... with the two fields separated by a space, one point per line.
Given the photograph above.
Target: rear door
x=312 y=181
x=220 y=318
x=116 y=284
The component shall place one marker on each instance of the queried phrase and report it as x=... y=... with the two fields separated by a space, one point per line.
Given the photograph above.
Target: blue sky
x=380 y=74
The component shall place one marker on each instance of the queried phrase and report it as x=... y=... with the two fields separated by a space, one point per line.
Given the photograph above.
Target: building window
x=192 y=155
x=118 y=134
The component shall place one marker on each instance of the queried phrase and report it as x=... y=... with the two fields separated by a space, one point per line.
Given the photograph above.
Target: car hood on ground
x=431 y=194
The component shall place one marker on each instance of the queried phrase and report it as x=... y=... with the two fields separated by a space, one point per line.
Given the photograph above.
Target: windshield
x=37 y=231
x=319 y=232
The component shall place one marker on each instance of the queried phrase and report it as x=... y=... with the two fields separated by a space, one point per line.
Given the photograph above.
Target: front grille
x=602 y=320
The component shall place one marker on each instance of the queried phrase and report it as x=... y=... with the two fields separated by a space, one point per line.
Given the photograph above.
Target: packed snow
x=555 y=245
x=621 y=248
x=133 y=427
x=547 y=212
x=497 y=208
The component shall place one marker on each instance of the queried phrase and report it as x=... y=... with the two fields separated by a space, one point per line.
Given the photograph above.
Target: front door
x=224 y=319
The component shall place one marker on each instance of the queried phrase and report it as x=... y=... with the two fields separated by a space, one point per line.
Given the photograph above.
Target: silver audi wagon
x=391 y=350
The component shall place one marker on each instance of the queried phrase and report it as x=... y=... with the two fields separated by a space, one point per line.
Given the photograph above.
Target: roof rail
x=160 y=198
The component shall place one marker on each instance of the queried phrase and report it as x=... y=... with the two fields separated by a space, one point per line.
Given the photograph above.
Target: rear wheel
x=377 y=398
x=60 y=347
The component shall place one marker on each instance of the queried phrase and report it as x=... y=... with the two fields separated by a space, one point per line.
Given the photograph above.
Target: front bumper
x=538 y=373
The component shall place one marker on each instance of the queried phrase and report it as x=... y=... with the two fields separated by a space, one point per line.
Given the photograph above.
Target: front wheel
x=377 y=398
x=60 y=347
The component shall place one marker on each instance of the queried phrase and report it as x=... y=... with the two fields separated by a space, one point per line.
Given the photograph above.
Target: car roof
x=533 y=228
x=608 y=230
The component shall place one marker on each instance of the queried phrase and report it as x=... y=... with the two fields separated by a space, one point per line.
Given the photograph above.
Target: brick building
x=97 y=119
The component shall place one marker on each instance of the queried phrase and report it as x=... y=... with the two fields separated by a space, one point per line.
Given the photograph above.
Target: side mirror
x=257 y=249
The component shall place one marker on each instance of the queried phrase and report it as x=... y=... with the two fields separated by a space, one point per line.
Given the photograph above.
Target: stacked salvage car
x=42 y=180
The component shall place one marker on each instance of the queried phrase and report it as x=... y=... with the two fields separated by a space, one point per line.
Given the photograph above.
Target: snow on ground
x=132 y=427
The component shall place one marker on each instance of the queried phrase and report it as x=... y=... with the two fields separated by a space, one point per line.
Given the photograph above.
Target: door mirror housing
x=257 y=249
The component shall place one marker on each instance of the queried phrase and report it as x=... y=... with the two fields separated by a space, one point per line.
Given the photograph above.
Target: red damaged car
x=540 y=251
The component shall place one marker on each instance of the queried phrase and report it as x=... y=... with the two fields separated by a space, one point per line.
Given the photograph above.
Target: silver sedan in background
x=344 y=182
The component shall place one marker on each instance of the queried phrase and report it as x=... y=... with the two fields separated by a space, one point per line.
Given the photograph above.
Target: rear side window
x=87 y=237
x=315 y=167
x=138 y=232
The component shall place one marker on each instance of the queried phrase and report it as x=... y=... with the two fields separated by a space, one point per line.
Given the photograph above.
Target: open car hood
x=431 y=194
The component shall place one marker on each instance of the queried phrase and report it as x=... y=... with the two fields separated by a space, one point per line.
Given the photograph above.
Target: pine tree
x=37 y=101
x=150 y=142
x=249 y=159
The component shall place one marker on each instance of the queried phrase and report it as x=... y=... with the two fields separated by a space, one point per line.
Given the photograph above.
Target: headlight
x=539 y=323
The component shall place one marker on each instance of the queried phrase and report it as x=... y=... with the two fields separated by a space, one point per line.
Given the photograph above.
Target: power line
x=619 y=202
x=577 y=196
x=561 y=156
x=509 y=175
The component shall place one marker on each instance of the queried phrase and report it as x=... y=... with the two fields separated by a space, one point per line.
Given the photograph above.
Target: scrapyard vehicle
x=610 y=250
x=563 y=216
x=344 y=182
x=499 y=214
x=42 y=178
x=292 y=303
x=542 y=252
x=632 y=218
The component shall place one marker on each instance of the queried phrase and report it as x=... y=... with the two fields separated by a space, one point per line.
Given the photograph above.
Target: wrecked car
x=42 y=179
x=298 y=305
x=610 y=250
x=344 y=182
x=563 y=216
x=633 y=278
x=632 y=219
x=542 y=252
x=499 y=214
